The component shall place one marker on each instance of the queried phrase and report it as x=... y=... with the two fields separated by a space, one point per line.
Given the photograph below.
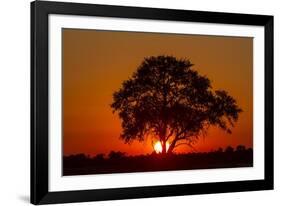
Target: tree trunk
x=164 y=149
x=172 y=146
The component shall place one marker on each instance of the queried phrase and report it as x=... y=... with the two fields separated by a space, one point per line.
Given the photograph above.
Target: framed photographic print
x=131 y=102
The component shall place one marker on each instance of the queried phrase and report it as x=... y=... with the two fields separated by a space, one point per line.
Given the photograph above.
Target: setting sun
x=158 y=147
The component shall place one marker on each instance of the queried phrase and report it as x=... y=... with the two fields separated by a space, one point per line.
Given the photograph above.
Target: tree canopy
x=165 y=98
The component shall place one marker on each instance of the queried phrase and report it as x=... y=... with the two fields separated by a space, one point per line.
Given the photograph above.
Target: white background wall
x=14 y=102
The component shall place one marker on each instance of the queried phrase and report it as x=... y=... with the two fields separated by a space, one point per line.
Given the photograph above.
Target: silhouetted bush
x=229 y=149
x=118 y=162
x=99 y=157
x=240 y=148
x=116 y=155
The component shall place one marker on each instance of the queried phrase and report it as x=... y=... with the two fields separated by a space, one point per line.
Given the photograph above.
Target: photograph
x=130 y=102
x=149 y=102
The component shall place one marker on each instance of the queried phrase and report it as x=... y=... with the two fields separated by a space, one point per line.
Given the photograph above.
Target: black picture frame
x=40 y=96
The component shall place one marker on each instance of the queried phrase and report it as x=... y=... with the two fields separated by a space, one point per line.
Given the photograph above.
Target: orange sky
x=95 y=63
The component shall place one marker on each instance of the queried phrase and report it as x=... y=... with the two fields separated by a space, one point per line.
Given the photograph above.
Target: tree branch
x=188 y=144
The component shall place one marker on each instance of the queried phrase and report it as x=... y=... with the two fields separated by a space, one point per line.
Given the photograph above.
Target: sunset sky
x=95 y=63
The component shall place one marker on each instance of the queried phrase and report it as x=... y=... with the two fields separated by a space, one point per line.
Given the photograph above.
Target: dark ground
x=118 y=162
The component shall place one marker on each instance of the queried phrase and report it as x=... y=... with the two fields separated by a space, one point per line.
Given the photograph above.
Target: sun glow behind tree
x=158 y=147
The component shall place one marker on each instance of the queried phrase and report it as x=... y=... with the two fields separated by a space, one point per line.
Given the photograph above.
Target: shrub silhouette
x=229 y=149
x=240 y=148
x=117 y=162
x=99 y=157
x=116 y=155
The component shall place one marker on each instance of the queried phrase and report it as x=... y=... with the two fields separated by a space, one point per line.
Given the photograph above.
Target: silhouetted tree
x=229 y=149
x=116 y=155
x=99 y=157
x=240 y=148
x=220 y=150
x=167 y=99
